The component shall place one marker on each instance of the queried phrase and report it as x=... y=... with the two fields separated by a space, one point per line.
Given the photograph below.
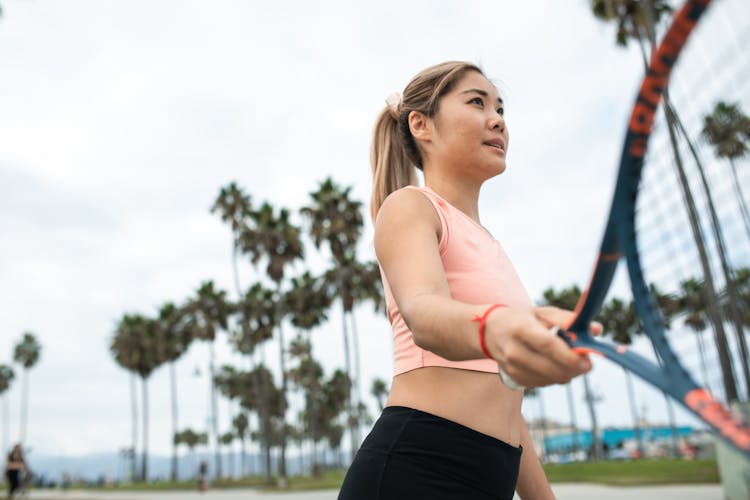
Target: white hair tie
x=394 y=103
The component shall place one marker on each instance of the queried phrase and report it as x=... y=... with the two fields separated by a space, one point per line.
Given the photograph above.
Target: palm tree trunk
x=6 y=422
x=670 y=410
x=634 y=413
x=282 y=402
x=214 y=410
x=263 y=420
x=134 y=407
x=348 y=366
x=543 y=418
x=144 y=458
x=732 y=298
x=230 y=459
x=235 y=270
x=596 y=445
x=313 y=457
x=267 y=449
x=712 y=308
x=173 y=384
x=313 y=412
x=357 y=371
x=702 y=354
x=24 y=404
x=672 y=426
x=243 y=458
x=740 y=197
x=573 y=419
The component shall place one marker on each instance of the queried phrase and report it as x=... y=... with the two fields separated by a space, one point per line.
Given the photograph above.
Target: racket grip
x=568 y=337
x=571 y=339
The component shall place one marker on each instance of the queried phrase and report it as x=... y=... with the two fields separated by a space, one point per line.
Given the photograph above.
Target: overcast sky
x=120 y=121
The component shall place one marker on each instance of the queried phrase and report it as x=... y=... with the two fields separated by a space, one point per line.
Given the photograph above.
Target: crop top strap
x=442 y=209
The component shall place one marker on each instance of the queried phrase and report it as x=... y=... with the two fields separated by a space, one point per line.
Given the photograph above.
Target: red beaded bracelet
x=482 y=321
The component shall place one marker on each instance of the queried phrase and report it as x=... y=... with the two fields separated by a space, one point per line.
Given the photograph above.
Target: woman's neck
x=458 y=192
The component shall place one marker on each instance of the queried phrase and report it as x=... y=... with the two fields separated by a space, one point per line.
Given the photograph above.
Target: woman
x=15 y=470
x=451 y=428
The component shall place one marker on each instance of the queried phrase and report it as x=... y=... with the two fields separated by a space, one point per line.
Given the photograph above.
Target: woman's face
x=468 y=133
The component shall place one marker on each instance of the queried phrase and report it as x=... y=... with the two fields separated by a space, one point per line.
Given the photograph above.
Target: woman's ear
x=420 y=126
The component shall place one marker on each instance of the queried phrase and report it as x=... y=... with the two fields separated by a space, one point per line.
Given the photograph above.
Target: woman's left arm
x=532 y=481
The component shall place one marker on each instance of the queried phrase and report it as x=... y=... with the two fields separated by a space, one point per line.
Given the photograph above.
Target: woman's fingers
x=531 y=369
x=596 y=328
x=531 y=354
x=554 y=316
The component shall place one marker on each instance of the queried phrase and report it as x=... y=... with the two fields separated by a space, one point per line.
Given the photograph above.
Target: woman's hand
x=521 y=342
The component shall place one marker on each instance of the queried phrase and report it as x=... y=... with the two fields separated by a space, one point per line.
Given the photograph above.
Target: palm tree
x=191 y=439
x=6 y=377
x=26 y=353
x=234 y=207
x=362 y=283
x=176 y=338
x=632 y=19
x=278 y=241
x=136 y=347
x=257 y=317
x=207 y=313
x=273 y=238
x=307 y=376
x=227 y=439
x=693 y=305
x=379 y=390
x=307 y=302
x=334 y=402
x=727 y=128
x=260 y=394
x=742 y=283
x=240 y=425
x=336 y=220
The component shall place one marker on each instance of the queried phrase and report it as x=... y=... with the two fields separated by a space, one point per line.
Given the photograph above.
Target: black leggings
x=14 y=481
x=410 y=454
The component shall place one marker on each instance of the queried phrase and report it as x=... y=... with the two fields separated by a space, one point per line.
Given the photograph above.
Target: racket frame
x=620 y=240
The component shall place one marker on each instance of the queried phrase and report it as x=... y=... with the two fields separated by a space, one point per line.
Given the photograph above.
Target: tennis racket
x=664 y=247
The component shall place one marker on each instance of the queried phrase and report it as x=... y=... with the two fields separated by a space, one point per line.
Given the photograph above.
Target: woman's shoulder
x=406 y=213
x=408 y=203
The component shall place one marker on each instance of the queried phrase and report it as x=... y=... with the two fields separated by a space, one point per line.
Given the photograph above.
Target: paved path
x=566 y=491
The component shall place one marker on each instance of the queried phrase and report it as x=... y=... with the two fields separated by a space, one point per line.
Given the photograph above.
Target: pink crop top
x=478 y=272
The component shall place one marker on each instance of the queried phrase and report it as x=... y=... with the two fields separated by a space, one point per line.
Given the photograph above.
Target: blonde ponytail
x=395 y=155
x=391 y=168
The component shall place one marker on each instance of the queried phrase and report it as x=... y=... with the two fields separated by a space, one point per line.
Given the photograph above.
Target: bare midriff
x=477 y=400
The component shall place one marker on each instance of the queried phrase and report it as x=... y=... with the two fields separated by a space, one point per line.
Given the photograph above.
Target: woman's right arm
x=407 y=232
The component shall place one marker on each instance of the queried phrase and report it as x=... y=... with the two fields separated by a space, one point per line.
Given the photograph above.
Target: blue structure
x=610 y=437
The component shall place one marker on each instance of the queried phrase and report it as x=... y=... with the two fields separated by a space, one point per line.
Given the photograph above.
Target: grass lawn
x=637 y=472
x=620 y=473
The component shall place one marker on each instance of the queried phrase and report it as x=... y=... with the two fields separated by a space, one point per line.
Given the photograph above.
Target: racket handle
x=571 y=339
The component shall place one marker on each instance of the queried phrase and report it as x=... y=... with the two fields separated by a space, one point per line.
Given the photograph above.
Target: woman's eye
x=501 y=111
x=477 y=100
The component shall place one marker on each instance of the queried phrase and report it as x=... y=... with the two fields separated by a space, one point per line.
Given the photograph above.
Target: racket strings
x=712 y=70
